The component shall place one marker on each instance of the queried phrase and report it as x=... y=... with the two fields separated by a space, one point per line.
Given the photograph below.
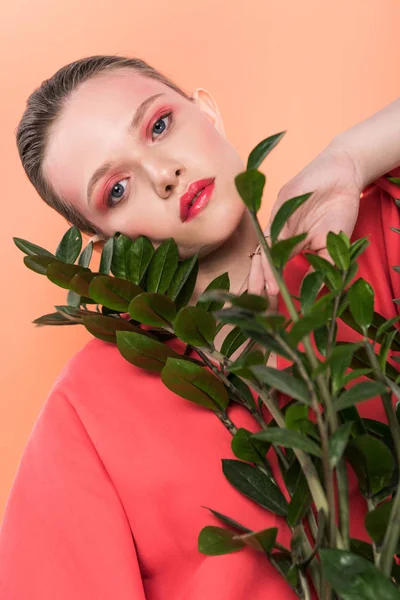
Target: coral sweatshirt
x=108 y=499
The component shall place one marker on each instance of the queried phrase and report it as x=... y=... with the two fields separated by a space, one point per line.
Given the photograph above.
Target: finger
x=256 y=281
x=269 y=278
x=244 y=286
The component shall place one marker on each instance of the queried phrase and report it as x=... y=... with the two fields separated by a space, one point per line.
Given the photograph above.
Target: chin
x=214 y=231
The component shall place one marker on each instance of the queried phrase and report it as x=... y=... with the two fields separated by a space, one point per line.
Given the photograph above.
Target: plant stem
x=341 y=472
x=304 y=585
x=306 y=463
x=328 y=472
x=225 y=420
x=343 y=495
x=301 y=550
x=320 y=379
x=376 y=554
x=392 y=532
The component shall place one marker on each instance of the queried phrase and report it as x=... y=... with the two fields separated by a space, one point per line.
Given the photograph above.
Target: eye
x=160 y=126
x=116 y=192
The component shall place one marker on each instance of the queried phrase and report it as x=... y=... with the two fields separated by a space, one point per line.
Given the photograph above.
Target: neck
x=232 y=256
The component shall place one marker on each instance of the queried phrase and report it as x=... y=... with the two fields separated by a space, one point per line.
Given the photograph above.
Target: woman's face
x=148 y=158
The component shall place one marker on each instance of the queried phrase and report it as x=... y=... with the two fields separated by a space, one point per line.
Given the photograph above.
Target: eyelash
x=107 y=196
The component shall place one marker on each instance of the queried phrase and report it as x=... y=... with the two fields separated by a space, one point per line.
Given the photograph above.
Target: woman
x=109 y=497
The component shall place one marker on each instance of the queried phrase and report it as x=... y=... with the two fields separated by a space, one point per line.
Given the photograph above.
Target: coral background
x=312 y=68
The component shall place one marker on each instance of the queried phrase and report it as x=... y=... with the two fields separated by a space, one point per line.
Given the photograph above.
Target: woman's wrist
x=373 y=145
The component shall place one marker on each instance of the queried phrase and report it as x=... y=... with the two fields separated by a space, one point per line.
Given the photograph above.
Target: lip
x=206 y=187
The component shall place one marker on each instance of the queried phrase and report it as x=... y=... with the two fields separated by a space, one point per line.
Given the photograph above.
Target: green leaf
x=195 y=383
x=39 y=264
x=309 y=289
x=355 y=375
x=138 y=257
x=70 y=246
x=250 y=185
x=119 y=263
x=372 y=462
x=246 y=448
x=272 y=322
x=187 y=290
x=293 y=387
x=386 y=326
x=358 y=247
x=354 y=578
x=361 y=360
x=255 y=485
x=252 y=302
x=152 y=309
x=113 y=292
x=331 y=275
x=243 y=389
x=258 y=154
x=300 y=502
x=143 y=351
x=106 y=256
x=242 y=365
x=384 y=350
x=377 y=520
x=313 y=320
x=233 y=341
x=285 y=212
x=185 y=268
x=228 y=520
x=295 y=414
x=214 y=541
x=395 y=180
x=378 y=321
x=86 y=255
x=73 y=299
x=289 y=438
x=54 y=319
x=80 y=283
x=338 y=250
x=72 y=312
x=61 y=273
x=321 y=335
x=219 y=283
x=281 y=251
x=338 y=443
x=105 y=328
x=359 y=392
x=31 y=249
x=262 y=541
x=195 y=326
x=351 y=273
x=162 y=267
x=361 y=301
x=341 y=351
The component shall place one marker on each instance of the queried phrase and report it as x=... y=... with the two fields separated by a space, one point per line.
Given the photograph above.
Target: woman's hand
x=337 y=183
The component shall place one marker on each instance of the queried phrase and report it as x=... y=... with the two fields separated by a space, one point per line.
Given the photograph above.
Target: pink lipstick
x=196 y=198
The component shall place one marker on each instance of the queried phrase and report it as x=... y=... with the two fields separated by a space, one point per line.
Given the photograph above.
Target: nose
x=164 y=175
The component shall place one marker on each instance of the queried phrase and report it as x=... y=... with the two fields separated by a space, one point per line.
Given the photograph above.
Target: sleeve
x=64 y=533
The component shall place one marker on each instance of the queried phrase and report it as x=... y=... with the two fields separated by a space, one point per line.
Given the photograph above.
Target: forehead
x=90 y=126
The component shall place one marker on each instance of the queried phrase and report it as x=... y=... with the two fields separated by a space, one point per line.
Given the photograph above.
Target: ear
x=209 y=107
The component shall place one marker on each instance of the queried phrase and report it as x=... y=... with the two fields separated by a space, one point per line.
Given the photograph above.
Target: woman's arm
x=373 y=144
x=337 y=176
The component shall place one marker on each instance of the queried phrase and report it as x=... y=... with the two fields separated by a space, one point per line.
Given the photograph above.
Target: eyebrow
x=133 y=125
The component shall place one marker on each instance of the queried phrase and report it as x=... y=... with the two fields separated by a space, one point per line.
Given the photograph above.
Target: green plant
x=316 y=432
